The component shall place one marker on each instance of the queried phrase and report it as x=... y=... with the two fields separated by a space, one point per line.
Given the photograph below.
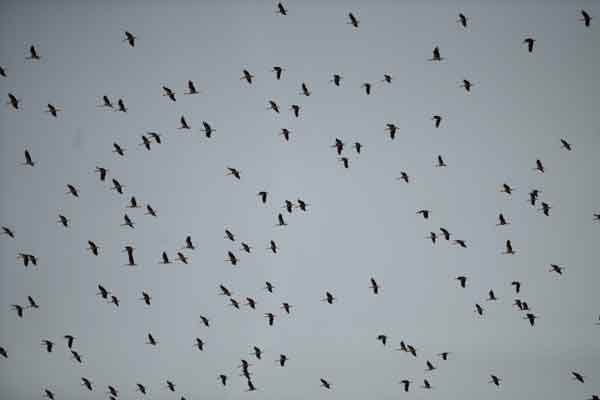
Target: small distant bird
x=479 y=309
x=18 y=308
x=345 y=161
x=32 y=303
x=305 y=91
x=545 y=208
x=54 y=110
x=467 y=85
x=72 y=190
x=280 y=220
x=285 y=133
x=205 y=321
x=250 y=302
x=102 y=292
x=374 y=286
x=556 y=268
x=436 y=55
x=117 y=186
x=325 y=383
x=539 y=166
x=509 y=248
x=531 y=317
x=118 y=149
x=128 y=221
x=387 y=78
x=171 y=386
x=382 y=339
x=353 y=21
x=87 y=383
x=7 y=231
x=424 y=213
x=444 y=355
x=278 y=71
x=529 y=41
x=462 y=19
x=295 y=109
x=146 y=298
x=208 y=129
x=191 y=88
x=273 y=106
x=367 y=87
x=223 y=379
x=247 y=76
x=432 y=236
x=282 y=359
x=114 y=300
x=437 y=120
x=329 y=298
x=461 y=243
x=3 y=71
x=133 y=203
x=129 y=249
x=150 y=211
x=234 y=172
x=501 y=220
x=358 y=147
x=106 y=102
x=403 y=177
x=130 y=38
x=251 y=386
x=406 y=384
x=28 y=159
x=232 y=258
x=492 y=296
x=506 y=189
x=70 y=339
x=188 y=243
x=183 y=124
x=257 y=352
x=430 y=366
x=113 y=391
x=462 y=280
x=586 y=18
x=48 y=345
x=48 y=394
x=339 y=146
x=270 y=318
x=533 y=196
x=121 y=104
x=151 y=340
x=77 y=357
x=336 y=79
x=33 y=54
x=440 y=162
x=517 y=286
x=596 y=217
x=426 y=384
x=13 y=101
x=181 y=257
x=578 y=377
x=392 y=129
x=64 y=221
x=199 y=344
x=273 y=247
x=301 y=204
x=263 y=196
x=281 y=9
x=269 y=286
x=103 y=172
x=224 y=290
x=566 y=145
x=495 y=380
x=145 y=142
x=286 y=306
x=446 y=233
x=3 y=352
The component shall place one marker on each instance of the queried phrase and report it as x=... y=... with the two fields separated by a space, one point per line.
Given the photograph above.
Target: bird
x=133 y=203
x=247 y=76
x=199 y=344
x=492 y=296
x=70 y=339
x=529 y=41
x=280 y=220
x=495 y=380
x=478 y=309
x=118 y=149
x=462 y=280
x=460 y=242
x=301 y=204
x=32 y=303
x=578 y=376
x=257 y=352
x=444 y=355
x=269 y=286
x=151 y=340
x=440 y=162
x=462 y=19
x=183 y=123
x=13 y=101
x=3 y=352
x=205 y=321
x=337 y=78
x=517 y=286
x=406 y=384
x=48 y=345
x=3 y=71
x=188 y=243
x=273 y=247
x=77 y=357
x=223 y=379
x=509 y=248
x=305 y=91
x=278 y=71
x=270 y=318
x=286 y=307
x=130 y=38
x=446 y=233
x=224 y=290
x=467 y=85
x=501 y=220
x=556 y=268
x=171 y=386
x=114 y=300
x=72 y=190
x=586 y=18
x=18 y=308
x=234 y=172
x=539 y=166
x=424 y=213
x=102 y=292
x=531 y=317
x=191 y=88
x=436 y=55
x=437 y=120
x=146 y=298
x=533 y=196
x=432 y=236
x=128 y=221
x=182 y=257
x=150 y=211
x=251 y=303
x=145 y=142
x=382 y=339
x=53 y=110
x=208 y=129
x=295 y=109
x=87 y=383
x=113 y=391
x=345 y=161
x=129 y=249
x=597 y=217
x=251 y=386
x=387 y=78
x=64 y=221
x=103 y=172
x=374 y=286
x=353 y=21
x=48 y=394
x=117 y=186
x=285 y=133
x=358 y=147
x=545 y=208
x=426 y=384
x=326 y=384
x=282 y=360
x=392 y=129
x=33 y=54
x=106 y=102
x=273 y=106
x=28 y=160
x=506 y=189
x=430 y=366
x=339 y=146
x=8 y=231
x=565 y=145
x=122 y=107
x=263 y=196
x=367 y=87
x=329 y=298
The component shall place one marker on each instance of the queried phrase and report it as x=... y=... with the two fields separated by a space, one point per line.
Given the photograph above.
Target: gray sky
x=361 y=222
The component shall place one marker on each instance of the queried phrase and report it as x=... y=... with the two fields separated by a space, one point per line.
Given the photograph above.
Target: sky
x=361 y=222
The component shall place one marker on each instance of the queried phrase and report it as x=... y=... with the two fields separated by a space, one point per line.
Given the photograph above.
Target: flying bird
x=436 y=55
x=247 y=76
x=406 y=384
x=437 y=120
x=128 y=221
x=28 y=159
x=118 y=149
x=501 y=220
x=305 y=91
x=72 y=190
x=151 y=340
x=440 y=162
x=234 y=172
x=270 y=318
x=382 y=339
x=424 y=213
x=446 y=233
x=566 y=145
x=48 y=345
x=586 y=18
x=467 y=85
x=462 y=20
x=146 y=298
x=556 y=268
x=531 y=317
x=191 y=88
x=130 y=38
x=32 y=303
x=539 y=166
x=529 y=41
x=208 y=129
x=462 y=280
x=367 y=87
x=87 y=383
x=325 y=383
x=122 y=107
x=54 y=110
x=278 y=71
x=33 y=54
x=517 y=286
x=353 y=21
x=13 y=101
x=329 y=298
x=374 y=286
x=129 y=249
x=578 y=376
x=183 y=123
x=509 y=248
x=295 y=109
x=18 y=308
x=199 y=344
x=495 y=380
x=336 y=79
x=7 y=231
x=273 y=106
x=281 y=9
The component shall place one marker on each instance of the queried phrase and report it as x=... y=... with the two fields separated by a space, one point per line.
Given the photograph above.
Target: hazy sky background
x=361 y=222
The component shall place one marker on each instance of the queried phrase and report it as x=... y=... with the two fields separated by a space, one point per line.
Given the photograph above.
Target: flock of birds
x=181 y=255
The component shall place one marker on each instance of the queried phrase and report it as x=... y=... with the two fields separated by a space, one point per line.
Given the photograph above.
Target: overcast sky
x=361 y=222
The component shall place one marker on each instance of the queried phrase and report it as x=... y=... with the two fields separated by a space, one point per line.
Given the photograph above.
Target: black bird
x=77 y=357
x=424 y=213
x=183 y=123
x=273 y=246
x=539 y=166
x=358 y=146
x=102 y=292
x=151 y=340
x=495 y=380
x=329 y=298
x=130 y=38
x=7 y=231
x=445 y=233
x=430 y=366
x=87 y=383
x=426 y=384
x=545 y=208
x=106 y=102
x=3 y=352
x=278 y=71
x=336 y=79
x=251 y=303
x=146 y=298
x=462 y=19
x=467 y=85
x=517 y=286
x=506 y=189
x=28 y=159
x=118 y=149
x=345 y=161
x=529 y=41
x=13 y=101
x=234 y=172
x=150 y=211
x=18 y=308
x=392 y=129
x=305 y=91
x=133 y=203
x=509 y=248
x=436 y=55
x=171 y=386
x=367 y=87
x=72 y=190
x=280 y=220
x=32 y=303
x=353 y=21
x=374 y=286
x=273 y=106
x=169 y=93
x=129 y=250
x=556 y=268
x=578 y=377
x=339 y=146
x=33 y=54
x=444 y=355
x=128 y=221
x=295 y=109
x=70 y=339
x=205 y=321
x=270 y=318
x=286 y=307
x=145 y=142
x=224 y=290
x=199 y=344
x=531 y=317
x=188 y=243
x=113 y=391
x=251 y=386
x=437 y=119
x=208 y=130
x=382 y=339
x=257 y=352
x=585 y=18
x=432 y=236
x=440 y=162
x=247 y=76
x=191 y=88
x=462 y=280
x=48 y=345
x=479 y=309
x=269 y=286
x=114 y=300
x=117 y=186
x=501 y=220
x=3 y=71
x=533 y=196
x=325 y=383
x=285 y=133
x=223 y=379
x=566 y=145
x=406 y=384
x=48 y=394
x=122 y=107
x=263 y=196
x=281 y=9
x=387 y=78
x=102 y=172
x=491 y=296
